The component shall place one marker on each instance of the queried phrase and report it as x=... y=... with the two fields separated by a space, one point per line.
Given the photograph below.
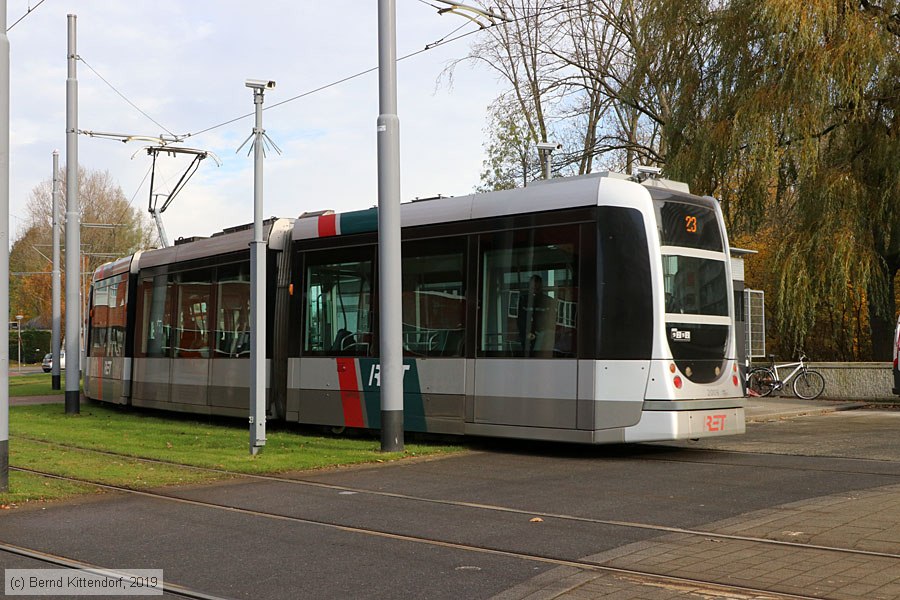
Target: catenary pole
x=258 y=281
x=389 y=262
x=73 y=233
x=4 y=250
x=55 y=279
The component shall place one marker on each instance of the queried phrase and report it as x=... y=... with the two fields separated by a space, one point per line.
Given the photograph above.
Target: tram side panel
x=107 y=368
x=535 y=287
x=192 y=345
x=337 y=381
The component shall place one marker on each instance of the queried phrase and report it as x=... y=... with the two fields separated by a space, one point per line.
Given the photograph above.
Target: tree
x=809 y=122
x=511 y=160
x=101 y=202
x=788 y=113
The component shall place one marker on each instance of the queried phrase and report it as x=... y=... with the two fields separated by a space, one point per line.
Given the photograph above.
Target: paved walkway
x=22 y=400
x=763 y=409
x=867 y=520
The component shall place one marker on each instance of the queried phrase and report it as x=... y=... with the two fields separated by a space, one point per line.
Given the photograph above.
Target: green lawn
x=35 y=384
x=217 y=444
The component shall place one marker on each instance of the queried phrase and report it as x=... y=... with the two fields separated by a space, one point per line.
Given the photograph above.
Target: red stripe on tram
x=327 y=225
x=350 y=398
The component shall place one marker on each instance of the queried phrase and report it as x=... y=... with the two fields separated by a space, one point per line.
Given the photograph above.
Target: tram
x=593 y=309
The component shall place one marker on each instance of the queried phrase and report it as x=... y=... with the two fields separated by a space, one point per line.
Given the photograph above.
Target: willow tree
x=803 y=128
x=787 y=112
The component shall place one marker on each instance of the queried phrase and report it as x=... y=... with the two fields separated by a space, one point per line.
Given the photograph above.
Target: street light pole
x=55 y=280
x=4 y=250
x=19 y=331
x=73 y=233
x=390 y=314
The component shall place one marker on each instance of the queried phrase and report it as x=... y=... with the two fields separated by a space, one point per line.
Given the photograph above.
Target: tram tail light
x=678 y=382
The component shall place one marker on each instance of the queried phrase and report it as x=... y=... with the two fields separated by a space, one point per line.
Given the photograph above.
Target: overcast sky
x=184 y=63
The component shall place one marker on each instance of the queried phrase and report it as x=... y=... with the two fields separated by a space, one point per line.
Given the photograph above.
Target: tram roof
x=553 y=194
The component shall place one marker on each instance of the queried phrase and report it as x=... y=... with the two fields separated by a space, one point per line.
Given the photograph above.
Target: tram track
x=55 y=560
x=662 y=529
x=712 y=588
x=852 y=459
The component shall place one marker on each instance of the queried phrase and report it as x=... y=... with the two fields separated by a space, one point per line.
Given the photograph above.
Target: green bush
x=35 y=344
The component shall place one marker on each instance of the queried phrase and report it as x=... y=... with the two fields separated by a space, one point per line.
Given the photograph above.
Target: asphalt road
x=405 y=530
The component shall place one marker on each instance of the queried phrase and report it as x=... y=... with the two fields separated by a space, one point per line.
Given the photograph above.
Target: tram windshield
x=697 y=288
x=696 y=281
x=688 y=225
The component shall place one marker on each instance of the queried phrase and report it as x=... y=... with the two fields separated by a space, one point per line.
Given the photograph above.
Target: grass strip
x=26 y=487
x=83 y=464
x=216 y=443
x=34 y=384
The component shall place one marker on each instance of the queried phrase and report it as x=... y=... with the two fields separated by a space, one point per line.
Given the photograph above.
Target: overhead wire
x=28 y=12
x=445 y=40
x=441 y=42
x=121 y=95
x=333 y=83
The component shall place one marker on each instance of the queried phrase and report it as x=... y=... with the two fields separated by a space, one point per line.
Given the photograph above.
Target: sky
x=184 y=63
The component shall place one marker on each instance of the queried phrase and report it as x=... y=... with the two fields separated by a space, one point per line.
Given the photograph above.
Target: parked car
x=896 y=389
x=47 y=363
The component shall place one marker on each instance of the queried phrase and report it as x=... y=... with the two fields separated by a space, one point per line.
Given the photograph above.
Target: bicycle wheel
x=809 y=385
x=761 y=380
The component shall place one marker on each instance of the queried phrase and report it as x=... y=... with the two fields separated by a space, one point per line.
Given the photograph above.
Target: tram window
x=155 y=317
x=106 y=335
x=339 y=309
x=529 y=287
x=434 y=298
x=696 y=286
x=625 y=301
x=117 y=300
x=688 y=225
x=99 y=319
x=192 y=319
x=233 y=311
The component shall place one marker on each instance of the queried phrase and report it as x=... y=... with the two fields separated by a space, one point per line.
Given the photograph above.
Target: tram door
x=153 y=341
x=527 y=373
x=189 y=373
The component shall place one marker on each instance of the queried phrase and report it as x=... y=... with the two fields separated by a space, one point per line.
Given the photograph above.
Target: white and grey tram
x=593 y=309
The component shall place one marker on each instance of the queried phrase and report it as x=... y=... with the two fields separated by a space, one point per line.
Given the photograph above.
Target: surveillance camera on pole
x=545 y=149
x=258 y=274
x=260 y=84
x=644 y=172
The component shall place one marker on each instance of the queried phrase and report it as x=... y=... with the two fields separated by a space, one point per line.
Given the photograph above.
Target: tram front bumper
x=660 y=425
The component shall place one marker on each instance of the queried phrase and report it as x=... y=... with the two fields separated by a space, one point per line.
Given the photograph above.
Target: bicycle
x=808 y=384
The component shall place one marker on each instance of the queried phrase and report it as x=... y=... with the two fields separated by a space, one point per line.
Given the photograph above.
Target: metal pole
x=73 y=233
x=19 y=332
x=55 y=279
x=258 y=290
x=389 y=262
x=4 y=250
